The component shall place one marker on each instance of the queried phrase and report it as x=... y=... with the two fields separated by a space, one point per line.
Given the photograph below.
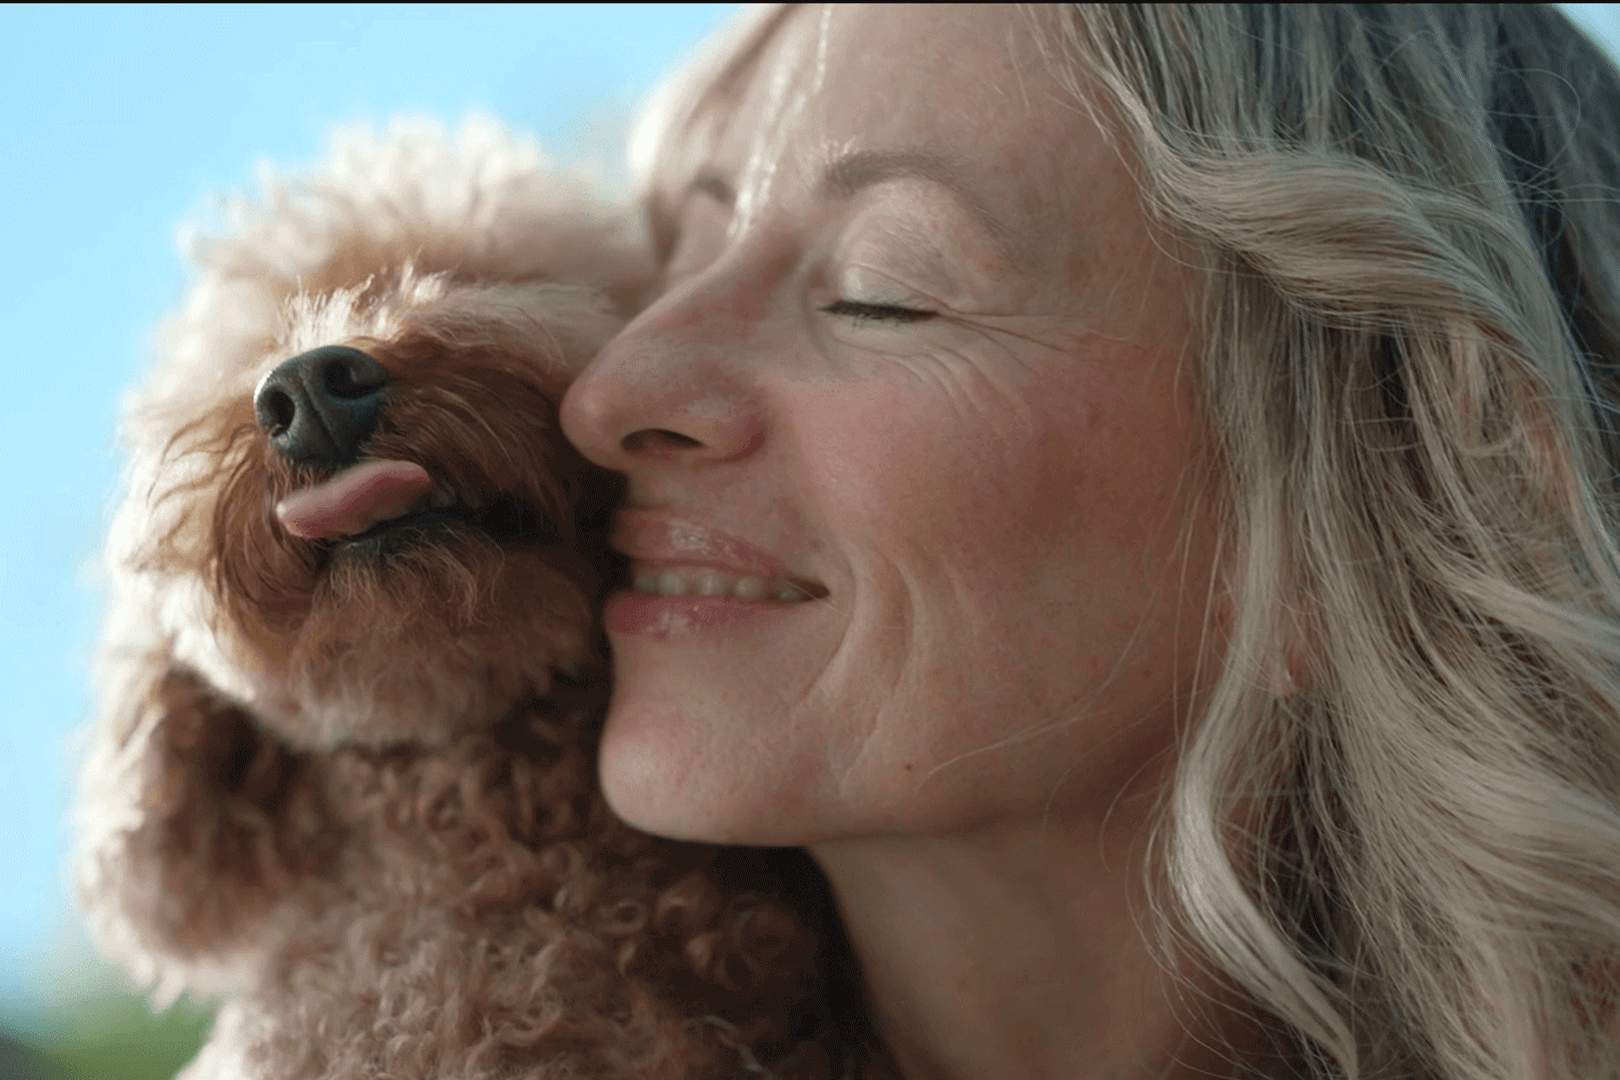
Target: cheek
x=1069 y=468
x=1012 y=526
x=909 y=478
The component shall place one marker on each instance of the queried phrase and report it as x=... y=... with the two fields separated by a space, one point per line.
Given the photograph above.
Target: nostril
x=657 y=439
x=276 y=411
x=350 y=373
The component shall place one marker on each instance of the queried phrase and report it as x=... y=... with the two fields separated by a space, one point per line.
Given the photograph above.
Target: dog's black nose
x=319 y=406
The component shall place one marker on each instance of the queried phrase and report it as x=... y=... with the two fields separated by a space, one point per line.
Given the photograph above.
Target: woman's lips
x=692 y=578
x=650 y=537
x=645 y=615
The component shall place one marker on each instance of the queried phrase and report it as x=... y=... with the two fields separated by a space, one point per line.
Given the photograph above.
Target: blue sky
x=117 y=122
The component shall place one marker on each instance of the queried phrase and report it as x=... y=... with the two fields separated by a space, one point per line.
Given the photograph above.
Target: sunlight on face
x=918 y=356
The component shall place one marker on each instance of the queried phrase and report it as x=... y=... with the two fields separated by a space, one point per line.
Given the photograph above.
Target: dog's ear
x=209 y=825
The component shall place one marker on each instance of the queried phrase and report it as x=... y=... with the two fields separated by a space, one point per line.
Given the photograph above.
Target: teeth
x=710 y=582
x=441 y=499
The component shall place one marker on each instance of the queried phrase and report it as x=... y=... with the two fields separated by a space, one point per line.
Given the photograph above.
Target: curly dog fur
x=347 y=785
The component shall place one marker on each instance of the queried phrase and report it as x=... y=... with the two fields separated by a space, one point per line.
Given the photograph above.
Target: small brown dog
x=344 y=772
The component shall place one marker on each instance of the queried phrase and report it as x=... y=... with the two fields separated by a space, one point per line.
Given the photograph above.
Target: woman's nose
x=664 y=390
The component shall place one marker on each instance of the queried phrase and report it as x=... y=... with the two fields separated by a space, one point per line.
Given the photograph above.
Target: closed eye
x=875 y=312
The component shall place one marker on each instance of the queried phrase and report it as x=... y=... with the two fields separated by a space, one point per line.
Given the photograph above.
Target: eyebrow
x=850 y=173
x=713 y=185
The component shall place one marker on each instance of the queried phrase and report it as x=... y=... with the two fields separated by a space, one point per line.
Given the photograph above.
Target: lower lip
x=645 y=615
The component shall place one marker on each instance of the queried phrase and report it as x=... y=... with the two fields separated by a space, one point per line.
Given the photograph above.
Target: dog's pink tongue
x=355 y=499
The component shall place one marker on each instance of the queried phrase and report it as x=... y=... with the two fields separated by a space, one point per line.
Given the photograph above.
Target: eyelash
x=875 y=312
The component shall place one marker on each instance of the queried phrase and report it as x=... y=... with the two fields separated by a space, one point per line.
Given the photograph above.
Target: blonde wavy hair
x=1405 y=847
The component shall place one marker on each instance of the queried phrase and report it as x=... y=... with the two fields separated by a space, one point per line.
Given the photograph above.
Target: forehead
x=962 y=84
x=842 y=73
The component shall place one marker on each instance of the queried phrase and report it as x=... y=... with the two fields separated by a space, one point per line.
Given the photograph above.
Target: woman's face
x=918 y=356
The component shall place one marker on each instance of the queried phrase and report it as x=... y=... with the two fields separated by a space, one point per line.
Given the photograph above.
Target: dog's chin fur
x=434 y=645
x=350 y=783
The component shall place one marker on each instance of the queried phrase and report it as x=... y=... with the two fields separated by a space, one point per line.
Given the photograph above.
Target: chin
x=676 y=762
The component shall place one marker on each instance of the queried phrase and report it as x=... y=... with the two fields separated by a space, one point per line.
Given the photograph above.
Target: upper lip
x=657 y=537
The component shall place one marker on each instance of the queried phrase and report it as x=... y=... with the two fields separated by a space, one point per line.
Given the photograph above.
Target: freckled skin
x=994 y=499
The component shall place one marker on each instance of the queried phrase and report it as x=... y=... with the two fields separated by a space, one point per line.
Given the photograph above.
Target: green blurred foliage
x=117 y=1037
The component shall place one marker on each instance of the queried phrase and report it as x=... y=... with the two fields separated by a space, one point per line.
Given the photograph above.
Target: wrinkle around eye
x=973 y=386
